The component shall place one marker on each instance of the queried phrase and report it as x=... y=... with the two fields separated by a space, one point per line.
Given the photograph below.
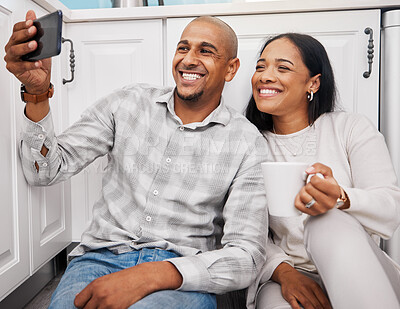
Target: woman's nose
x=267 y=76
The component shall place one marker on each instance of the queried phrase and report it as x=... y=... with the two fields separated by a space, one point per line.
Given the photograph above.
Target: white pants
x=352 y=268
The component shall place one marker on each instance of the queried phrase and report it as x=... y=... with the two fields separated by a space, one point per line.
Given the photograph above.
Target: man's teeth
x=268 y=91
x=190 y=76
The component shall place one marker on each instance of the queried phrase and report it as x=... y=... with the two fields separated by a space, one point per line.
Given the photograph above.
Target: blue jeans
x=94 y=264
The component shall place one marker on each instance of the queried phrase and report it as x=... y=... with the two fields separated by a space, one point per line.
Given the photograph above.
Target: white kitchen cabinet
x=109 y=55
x=341 y=32
x=34 y=222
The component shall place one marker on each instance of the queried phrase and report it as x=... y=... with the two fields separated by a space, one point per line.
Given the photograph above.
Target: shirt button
x=168 y=160
x=41 y=136
x=181 y=128
x=148 y=218
x=155 y=192
x=44 y=164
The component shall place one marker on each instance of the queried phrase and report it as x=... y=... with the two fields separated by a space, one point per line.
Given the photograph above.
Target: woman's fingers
x=320 y=168
x=312 y=201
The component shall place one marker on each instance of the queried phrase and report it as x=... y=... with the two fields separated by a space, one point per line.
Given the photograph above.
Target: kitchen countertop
x=235 y=8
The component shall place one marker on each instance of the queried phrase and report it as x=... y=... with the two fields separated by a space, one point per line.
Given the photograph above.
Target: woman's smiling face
x=281 y=81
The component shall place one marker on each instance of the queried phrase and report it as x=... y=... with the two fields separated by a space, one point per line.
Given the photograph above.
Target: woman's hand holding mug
x=319 y=194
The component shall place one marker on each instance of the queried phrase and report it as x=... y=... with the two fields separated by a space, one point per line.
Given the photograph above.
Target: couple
x=152 y=241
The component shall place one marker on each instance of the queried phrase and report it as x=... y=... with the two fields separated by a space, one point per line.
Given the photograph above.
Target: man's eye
x=182 y=48
x=205 y=51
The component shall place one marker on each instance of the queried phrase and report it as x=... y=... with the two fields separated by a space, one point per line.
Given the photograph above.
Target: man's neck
x=193 y=111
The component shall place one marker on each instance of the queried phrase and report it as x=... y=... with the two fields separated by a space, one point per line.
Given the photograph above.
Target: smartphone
x=48 y=37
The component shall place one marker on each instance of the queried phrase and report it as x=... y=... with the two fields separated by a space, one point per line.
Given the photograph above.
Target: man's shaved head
x=229 y=36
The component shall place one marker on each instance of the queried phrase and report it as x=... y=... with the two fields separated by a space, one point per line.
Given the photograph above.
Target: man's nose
x=190 y=59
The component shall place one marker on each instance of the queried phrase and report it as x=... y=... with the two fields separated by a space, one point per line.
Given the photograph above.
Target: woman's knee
x=270 y=297
x=334 y=234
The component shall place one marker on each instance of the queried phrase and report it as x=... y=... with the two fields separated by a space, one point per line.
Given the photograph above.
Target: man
x=182 y=165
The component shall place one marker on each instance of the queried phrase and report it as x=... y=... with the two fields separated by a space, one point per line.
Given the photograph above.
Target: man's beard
x=192 y=97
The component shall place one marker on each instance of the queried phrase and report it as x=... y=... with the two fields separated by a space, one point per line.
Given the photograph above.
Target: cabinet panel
x=345 y=42
x=14 y=226
x=51 y=229
x=109 y=55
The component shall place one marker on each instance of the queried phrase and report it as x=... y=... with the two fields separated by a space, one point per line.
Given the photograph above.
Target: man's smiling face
x=201 y=62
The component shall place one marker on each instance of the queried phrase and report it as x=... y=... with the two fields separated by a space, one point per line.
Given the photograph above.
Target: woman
x=327 y=257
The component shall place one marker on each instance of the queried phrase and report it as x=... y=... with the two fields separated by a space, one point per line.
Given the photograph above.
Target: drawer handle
x=370 y=54
x=71 y=61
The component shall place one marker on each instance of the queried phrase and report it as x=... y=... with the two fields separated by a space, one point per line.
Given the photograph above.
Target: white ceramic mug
x=283 y=181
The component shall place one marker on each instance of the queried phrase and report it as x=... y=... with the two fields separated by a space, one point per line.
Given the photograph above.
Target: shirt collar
x=220 y=115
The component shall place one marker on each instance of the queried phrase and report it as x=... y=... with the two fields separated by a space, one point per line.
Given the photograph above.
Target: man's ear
x=315 y=83
x=233 y=67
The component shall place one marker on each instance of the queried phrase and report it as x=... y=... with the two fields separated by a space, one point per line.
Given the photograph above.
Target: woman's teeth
x=268 y=91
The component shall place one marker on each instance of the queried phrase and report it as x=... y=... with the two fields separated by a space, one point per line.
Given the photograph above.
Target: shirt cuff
x=194 y=273
x=37 y=134
x=271 y=266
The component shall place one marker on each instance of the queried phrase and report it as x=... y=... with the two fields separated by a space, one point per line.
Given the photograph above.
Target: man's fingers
x=21 y=67
x=22 y=25
x=21 y=37
x=15 y=52
x=22 y=31
x=14 y=64
x=322 y=298
x=24 y=35
x=83 y=298
x=293 y=303
x=30 y=15
x=305 y=302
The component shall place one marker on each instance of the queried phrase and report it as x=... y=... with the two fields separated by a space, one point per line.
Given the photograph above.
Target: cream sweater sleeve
x=274 y=256
x=374 y=196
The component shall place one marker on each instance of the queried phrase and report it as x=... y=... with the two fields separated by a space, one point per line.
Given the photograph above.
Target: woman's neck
x=289 y=124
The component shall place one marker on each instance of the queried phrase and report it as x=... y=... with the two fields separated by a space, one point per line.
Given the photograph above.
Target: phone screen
x=48 y=37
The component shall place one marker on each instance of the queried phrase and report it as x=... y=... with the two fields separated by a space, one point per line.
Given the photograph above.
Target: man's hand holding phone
x=34 y=75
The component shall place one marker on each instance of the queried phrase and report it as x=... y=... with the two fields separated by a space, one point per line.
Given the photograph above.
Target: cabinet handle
x=71 y=61
x=370 y=55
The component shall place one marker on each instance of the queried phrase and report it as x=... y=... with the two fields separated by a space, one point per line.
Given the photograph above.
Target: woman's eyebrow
x=284 y=60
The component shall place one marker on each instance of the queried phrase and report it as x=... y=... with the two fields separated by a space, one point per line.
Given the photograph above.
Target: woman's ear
x=315 y=82
x=233 y=67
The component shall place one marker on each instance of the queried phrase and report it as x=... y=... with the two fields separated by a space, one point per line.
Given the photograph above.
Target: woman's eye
x=259 y=67
x=281 y=67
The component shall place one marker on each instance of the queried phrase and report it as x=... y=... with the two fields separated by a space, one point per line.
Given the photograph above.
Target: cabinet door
x=109 y=55
x=49 y=206
x=342 y=34
x=14 y=225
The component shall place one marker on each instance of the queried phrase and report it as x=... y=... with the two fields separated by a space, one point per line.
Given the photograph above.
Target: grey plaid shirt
x=166 y=185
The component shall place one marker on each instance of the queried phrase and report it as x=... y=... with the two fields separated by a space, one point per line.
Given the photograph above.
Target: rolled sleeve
x=194 y=273
x=275 y=256
x=34 y=136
